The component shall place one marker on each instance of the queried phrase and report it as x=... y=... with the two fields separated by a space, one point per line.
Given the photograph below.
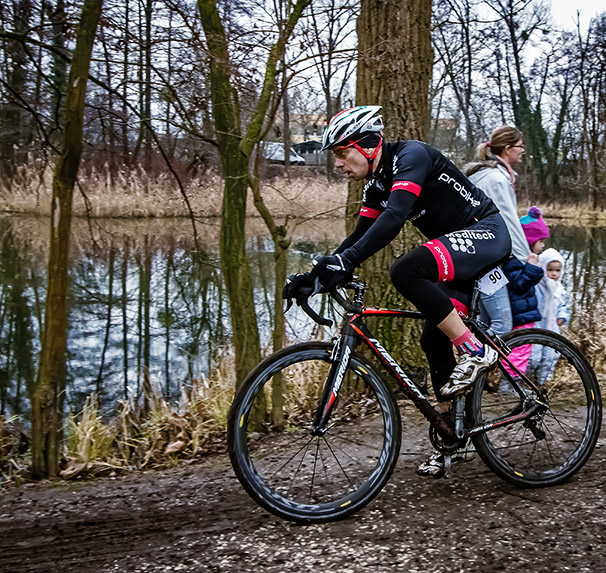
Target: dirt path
x=198 y=518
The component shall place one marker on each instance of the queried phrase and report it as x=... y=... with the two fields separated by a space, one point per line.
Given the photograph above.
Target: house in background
x=306 y=131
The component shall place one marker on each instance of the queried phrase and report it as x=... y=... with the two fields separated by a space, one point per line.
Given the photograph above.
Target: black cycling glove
x=333 y=270
x=300 y=287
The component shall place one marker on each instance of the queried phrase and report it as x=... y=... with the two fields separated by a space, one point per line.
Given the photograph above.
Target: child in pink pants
x=522 y=280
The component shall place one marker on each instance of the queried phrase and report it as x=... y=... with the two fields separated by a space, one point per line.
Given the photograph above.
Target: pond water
x=141 y=294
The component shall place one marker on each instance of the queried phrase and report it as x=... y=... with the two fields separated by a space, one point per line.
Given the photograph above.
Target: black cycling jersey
x=415 y=182
x=468 y=236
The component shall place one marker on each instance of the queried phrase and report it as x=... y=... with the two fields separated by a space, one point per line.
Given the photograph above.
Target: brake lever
x=314 y=315
x=304 y=304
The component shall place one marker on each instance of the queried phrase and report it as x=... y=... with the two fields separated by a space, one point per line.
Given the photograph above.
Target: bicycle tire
x=347 y=466
x=552 y=445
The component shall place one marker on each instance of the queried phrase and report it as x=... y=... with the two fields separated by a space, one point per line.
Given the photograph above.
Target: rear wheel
x=555 y=442
x=288 y=470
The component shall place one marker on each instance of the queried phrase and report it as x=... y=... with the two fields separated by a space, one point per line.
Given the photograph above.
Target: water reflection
x=146 y=307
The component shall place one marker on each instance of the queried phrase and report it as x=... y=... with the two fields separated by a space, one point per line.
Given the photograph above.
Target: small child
x=551 y=294
x=551 y=297
x=535 y=229
x=523 y=276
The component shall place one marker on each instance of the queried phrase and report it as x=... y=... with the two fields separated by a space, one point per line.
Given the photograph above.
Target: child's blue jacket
x=522 y=279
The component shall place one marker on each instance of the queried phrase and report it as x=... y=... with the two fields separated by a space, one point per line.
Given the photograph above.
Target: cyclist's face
x=351 y=162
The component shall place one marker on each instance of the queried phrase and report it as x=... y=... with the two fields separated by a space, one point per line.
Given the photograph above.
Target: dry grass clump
x=13 y=448
x=150 y=433
x=302 y=197
x=588 y=334
x=132 y=193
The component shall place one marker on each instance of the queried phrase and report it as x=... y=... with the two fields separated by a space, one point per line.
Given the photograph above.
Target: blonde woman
x=494 y=174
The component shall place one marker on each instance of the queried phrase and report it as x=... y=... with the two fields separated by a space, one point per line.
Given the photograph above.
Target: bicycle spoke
x=553 y=443
x=313 y=475
x=339 y=464
x=292 y=481
x=354 y=442
x=299 y=475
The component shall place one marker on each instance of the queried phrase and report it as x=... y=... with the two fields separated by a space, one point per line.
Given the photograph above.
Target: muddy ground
x=198 y=518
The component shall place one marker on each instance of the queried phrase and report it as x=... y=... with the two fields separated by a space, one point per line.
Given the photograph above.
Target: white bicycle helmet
x=351 y=124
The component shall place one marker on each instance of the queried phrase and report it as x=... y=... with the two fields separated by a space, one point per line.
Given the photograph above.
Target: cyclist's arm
x=363 y=224
x=412 y=164
x=385 y=228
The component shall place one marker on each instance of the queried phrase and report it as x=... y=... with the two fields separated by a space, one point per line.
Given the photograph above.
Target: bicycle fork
x=340 y=357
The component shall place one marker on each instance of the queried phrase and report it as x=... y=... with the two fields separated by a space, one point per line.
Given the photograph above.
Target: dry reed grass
x=587 y=332
x=573 y=214
x=157 y=435
x=134 y=194
x=13 y=451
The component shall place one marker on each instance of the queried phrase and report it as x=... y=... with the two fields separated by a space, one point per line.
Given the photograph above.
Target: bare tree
x=48 y=396
x=592 y=71
x=235 y=147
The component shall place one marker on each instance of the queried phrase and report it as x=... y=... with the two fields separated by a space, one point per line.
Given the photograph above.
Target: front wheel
x=554 y=443
x=293 y=473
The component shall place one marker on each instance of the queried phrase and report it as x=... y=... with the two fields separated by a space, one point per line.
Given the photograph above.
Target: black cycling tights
x=415 y=275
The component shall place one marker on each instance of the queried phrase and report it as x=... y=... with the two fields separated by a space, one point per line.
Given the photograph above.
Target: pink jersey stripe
x=407 y=186
x=443 y=259
x=368 y=212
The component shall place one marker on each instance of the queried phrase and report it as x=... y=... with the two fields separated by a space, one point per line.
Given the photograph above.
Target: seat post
x=474 y=310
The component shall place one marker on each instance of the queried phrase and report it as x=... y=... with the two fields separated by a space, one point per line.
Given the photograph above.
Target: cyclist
x=409 y=180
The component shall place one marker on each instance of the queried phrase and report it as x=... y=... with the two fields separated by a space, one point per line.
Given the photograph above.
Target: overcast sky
x=565 y=11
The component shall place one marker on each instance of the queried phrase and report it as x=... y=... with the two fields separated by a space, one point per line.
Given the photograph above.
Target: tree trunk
x=11 y=115
x=58 y=19
x=235 y=149
x=236 y=268
x=48 y=395
x=401 y=85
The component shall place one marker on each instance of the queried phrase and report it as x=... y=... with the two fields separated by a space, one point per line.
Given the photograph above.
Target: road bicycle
x=314 y=431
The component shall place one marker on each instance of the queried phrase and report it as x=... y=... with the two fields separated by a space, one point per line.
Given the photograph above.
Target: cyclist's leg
x=460 y=256
x=468 y=253
x=438 y=349
x=436 y=345
x=417 y=276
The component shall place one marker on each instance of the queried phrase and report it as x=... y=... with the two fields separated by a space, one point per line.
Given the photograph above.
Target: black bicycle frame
x=355 y=330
